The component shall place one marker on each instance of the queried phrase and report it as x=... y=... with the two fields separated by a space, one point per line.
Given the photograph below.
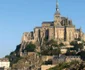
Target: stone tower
x=57 y=16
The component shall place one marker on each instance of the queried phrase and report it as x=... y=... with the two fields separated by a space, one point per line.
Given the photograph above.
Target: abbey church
x=61 y=29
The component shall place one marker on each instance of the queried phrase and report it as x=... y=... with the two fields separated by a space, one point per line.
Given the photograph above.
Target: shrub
x=30 y=47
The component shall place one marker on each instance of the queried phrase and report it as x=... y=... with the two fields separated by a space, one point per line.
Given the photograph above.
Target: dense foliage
x=14 y=55
x=76 y=45
x=51 y=48
x=18 y=48
x=74 y=65
x=82 y=54
x=30 y=47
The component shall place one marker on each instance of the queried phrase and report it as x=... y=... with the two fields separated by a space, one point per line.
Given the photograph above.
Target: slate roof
x=47 y=22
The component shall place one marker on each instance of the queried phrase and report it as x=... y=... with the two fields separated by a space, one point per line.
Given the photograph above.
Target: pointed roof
x=57 y=8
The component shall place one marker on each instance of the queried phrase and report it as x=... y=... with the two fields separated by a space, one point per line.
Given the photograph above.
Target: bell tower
x=57 y=16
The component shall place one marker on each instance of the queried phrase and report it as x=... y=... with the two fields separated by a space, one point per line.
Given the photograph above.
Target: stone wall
x=70 y=33
x=59 y=33
x=51 y=33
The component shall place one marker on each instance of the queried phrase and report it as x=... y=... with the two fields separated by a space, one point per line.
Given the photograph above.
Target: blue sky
x=18 y=16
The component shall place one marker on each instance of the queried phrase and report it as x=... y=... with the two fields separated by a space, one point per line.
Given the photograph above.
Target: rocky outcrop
x=30 y=62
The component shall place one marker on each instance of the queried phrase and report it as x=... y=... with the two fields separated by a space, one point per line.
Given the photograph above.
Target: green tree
x=18 y=48
x=82 y=54
x=30 y=47
x=61 y=44
x=76 y=45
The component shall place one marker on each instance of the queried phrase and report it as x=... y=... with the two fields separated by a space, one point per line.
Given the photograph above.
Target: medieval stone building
x=61 y=29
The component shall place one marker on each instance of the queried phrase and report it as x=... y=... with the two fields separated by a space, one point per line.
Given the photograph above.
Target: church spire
x=57 y=16
x=57 y=8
